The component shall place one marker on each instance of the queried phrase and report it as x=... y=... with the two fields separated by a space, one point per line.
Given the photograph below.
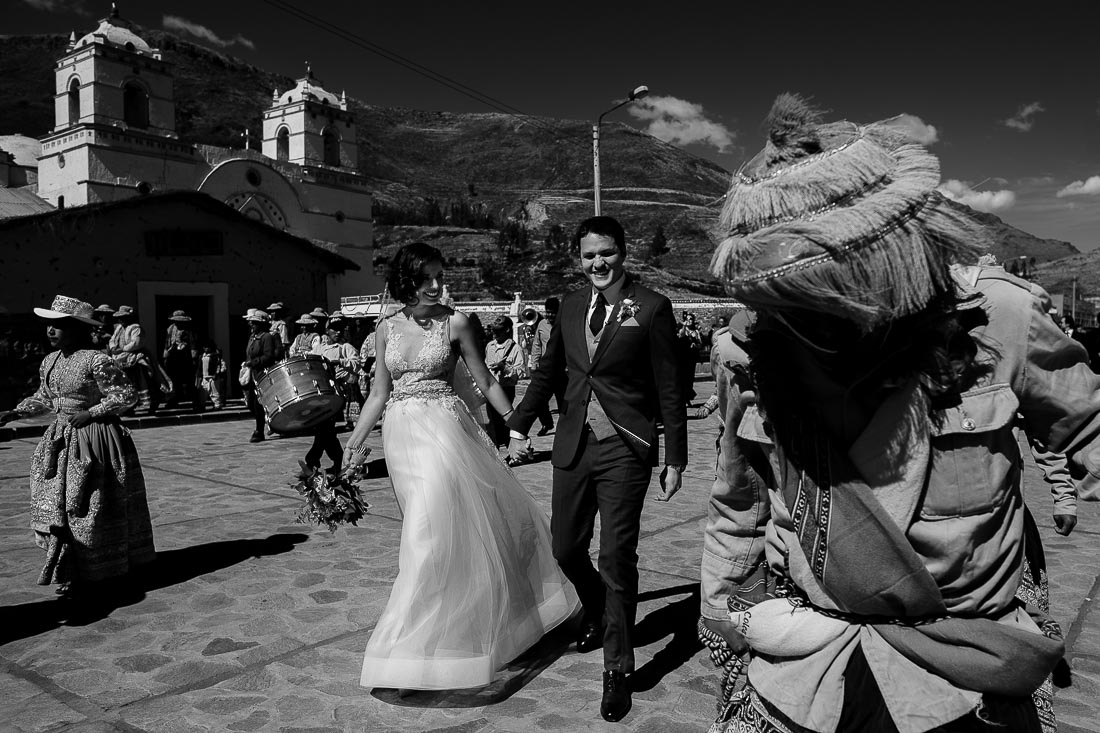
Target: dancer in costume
x=890 y=380
x=88 y=507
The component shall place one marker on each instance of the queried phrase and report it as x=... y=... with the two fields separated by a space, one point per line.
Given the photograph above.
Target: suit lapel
x=579 y=335
x=614 y=322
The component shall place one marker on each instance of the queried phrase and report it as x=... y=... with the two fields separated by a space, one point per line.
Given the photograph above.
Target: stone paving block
x=241 y=572
x=40 y=712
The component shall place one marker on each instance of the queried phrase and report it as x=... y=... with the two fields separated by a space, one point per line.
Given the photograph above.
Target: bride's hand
x=357 y=456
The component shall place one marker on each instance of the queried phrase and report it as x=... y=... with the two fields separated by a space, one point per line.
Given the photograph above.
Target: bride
x=477 y=584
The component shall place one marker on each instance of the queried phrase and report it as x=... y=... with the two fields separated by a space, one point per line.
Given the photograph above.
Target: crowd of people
x=868 y=561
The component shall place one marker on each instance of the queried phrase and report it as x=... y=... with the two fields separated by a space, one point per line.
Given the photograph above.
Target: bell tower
x=309 y=125
x=114 y=131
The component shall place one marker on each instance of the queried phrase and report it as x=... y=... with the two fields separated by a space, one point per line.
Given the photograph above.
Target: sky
x=1006 y=93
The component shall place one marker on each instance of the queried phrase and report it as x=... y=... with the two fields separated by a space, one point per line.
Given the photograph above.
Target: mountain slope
x=537 y=171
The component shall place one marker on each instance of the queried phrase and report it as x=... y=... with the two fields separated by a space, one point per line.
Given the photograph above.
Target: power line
x=417 y=68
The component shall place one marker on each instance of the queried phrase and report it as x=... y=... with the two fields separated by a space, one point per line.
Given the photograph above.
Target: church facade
x=115 y=138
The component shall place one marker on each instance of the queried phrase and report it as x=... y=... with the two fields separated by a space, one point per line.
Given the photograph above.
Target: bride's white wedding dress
x=477 y=583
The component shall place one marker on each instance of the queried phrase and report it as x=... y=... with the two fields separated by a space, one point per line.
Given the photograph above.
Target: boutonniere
x=629 y=309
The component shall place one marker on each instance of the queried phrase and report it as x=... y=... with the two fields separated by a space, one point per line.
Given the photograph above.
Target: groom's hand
x=670 y=483
x=517 y=450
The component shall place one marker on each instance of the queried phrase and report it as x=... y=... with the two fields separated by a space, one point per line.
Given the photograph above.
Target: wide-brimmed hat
x=105 y=309
x=318 y=312
x=255 y=314
x=840 y=219
x=125 y=310
x=66 y=307
x=307 y=320
x=276 y=306
x=180 y=316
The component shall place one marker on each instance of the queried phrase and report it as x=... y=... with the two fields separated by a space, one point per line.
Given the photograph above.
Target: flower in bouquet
x=330 y=499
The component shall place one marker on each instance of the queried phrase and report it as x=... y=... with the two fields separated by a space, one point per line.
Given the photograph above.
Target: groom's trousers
x=605 y=477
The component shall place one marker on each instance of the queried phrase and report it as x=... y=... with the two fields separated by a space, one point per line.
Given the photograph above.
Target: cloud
x=50 y=6
x=916 y=128
x=1024 y=119
x=183 y=25
x=989 y=201
x=681 y=122
x=1088 y=187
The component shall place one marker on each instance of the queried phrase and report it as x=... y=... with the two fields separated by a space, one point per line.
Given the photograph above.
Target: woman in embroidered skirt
x=477 y=584
x=88 y=506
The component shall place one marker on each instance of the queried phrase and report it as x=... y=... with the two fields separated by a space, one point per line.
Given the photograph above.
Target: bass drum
x=299 y=393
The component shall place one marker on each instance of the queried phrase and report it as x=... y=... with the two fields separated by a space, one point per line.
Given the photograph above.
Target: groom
x=613 y=346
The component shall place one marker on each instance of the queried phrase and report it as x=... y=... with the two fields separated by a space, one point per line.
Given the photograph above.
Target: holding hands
x=519 y=451
x=670 y=480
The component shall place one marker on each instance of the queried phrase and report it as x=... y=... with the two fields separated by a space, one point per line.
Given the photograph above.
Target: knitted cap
x=840 y=218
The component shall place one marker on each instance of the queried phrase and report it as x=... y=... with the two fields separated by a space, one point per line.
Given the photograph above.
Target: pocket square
x=631 y=322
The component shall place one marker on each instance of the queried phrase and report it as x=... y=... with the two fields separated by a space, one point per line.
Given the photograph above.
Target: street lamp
x=638 y=93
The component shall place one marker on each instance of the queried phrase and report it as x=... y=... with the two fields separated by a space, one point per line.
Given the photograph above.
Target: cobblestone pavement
x=254 y=623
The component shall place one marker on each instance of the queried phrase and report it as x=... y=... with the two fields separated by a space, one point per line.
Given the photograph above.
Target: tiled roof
x=21 y=202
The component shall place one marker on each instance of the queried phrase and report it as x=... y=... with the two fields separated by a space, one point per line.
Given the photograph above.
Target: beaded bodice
x=420 y=360
x=84 y=380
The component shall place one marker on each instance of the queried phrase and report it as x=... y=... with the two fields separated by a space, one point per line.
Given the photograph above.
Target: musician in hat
x=101 y=334
x=888 y=373
x=277 y=311
x=260 y=355
x=307 y=337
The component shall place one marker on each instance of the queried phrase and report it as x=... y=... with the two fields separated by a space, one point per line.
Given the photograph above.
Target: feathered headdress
x=840 y=218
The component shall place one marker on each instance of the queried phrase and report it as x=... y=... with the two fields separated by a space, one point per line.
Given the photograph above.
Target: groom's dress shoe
x=590 y=638
x=616 y=696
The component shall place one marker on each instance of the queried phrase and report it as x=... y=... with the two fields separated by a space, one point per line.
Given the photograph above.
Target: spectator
x=504 y=359
x=129 y=350
x=277 y=311
x=211 y=374
x=179 y=359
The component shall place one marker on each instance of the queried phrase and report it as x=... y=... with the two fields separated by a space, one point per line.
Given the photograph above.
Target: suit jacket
x=632 y=372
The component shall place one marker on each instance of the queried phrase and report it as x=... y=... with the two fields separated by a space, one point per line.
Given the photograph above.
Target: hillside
x=534 y=172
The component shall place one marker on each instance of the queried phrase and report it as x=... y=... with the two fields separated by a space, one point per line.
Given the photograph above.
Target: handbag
x=245 y=375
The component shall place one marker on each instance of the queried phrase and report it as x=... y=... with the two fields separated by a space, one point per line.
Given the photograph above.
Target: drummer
x=259 y=357
x=343 y=360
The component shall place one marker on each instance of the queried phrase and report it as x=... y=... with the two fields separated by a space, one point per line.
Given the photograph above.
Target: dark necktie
x=599 y=313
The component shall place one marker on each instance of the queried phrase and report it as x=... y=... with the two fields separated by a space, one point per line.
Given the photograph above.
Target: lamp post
x=638 y=93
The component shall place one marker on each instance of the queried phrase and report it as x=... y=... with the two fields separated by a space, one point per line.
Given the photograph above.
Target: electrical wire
x=417 y=68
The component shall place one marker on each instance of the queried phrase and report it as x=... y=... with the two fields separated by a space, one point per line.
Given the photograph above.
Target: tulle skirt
x=477 y=582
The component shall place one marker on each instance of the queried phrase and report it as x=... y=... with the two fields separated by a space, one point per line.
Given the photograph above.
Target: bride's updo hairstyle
x=407 y=270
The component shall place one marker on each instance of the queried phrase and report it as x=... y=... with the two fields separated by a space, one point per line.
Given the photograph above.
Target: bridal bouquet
x=330 y=500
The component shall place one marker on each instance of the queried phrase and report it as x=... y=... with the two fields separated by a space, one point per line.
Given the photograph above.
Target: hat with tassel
x=840 y=218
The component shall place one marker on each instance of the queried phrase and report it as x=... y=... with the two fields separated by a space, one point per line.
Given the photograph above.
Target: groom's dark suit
x=632 y=374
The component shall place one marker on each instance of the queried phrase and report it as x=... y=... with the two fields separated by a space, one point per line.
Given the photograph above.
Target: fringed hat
x=840 y=218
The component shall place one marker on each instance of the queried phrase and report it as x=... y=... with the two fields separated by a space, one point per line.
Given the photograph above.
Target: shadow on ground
x=169 y=568
x=678 y=619
x=514 y=677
